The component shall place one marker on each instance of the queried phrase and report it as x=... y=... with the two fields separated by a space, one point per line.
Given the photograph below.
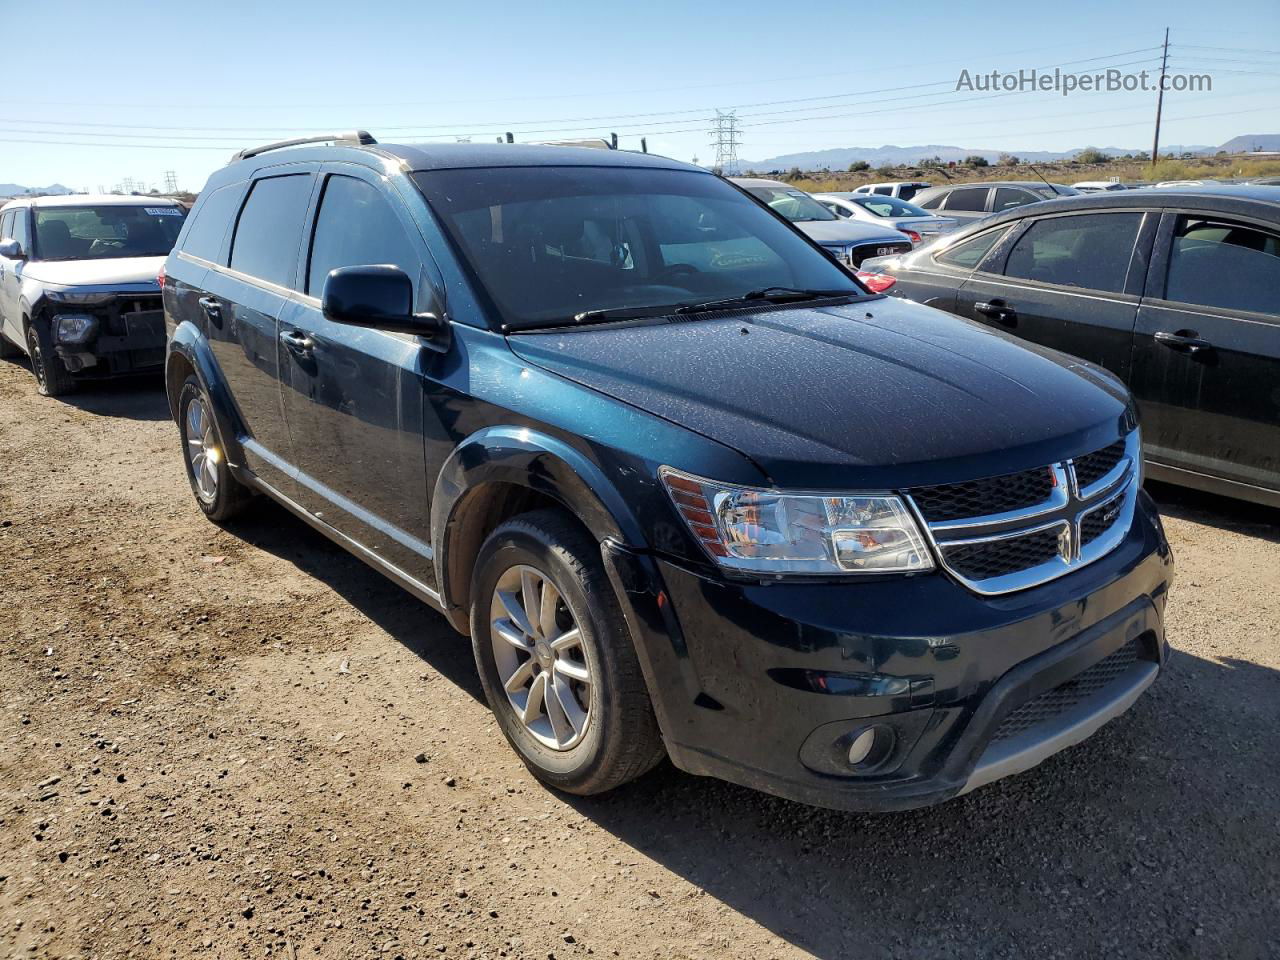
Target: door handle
x=211 y=306
x=1184 y=341
x=297 y=341
x=997 y=310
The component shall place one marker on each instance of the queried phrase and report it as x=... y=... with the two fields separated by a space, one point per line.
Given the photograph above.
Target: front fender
x=189 y=350
x=536 y=460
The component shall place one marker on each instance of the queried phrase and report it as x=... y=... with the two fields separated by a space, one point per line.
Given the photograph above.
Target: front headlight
x=757 y=530
x=74 y=328
x=79 y=296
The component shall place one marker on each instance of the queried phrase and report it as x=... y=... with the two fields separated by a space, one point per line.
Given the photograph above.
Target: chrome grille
x=1060 y=699
x=1010 y=532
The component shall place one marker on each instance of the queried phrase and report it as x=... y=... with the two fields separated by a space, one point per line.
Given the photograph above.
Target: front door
x=13 y=226
x=1069 y=282
x=352 y=396
x=1207 y=349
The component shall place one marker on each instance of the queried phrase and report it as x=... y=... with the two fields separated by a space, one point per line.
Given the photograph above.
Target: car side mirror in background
x=12 y=249
x=379 y=297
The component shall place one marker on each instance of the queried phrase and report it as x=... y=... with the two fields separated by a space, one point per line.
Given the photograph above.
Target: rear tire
x=52 y=378
x=591 y=728
x=218 y=493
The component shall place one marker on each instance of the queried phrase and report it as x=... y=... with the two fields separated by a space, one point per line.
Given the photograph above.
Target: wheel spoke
x=566 y=704
x=562 y=724
x=511 y=633
x=517 y=680
x=511 y=603
x=531 y=599
x=568 y=640
x=547 y=609
x=211 y=473
x=572 y=670
x=194 y=416
x=536 y=701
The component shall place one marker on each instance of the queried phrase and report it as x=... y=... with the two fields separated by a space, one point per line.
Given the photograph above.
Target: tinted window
x=884 y=191
x=356 y=226
x=932 y=203
x=209 y=228
x=107 y=231
x=1090 y=250
x=1007 y=197
x=1221 y=264
x=551 y=242
x=970 y=253
x=270 y=228
x=907 y=192
x=967 y=200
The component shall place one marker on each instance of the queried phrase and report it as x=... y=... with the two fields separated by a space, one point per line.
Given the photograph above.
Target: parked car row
x=691 y=490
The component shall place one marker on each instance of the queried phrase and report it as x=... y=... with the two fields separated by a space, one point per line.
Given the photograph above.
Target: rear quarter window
x=210 y=223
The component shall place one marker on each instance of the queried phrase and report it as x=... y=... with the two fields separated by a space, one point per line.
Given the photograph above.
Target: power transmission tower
x=725 y=138
x=1164 y=63
x=170 y=182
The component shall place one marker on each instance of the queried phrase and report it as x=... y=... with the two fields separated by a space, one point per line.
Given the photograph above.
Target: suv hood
x=848 y=231
x=877 y=394
x=109 y=272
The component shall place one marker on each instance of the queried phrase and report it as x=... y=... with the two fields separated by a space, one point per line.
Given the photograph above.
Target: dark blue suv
x=691 y=490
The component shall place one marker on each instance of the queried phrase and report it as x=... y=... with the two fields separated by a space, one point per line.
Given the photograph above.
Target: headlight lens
x=74 y=327
x=756 y=530
x=79 y=296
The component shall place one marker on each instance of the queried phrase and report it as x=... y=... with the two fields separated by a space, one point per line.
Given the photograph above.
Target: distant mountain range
x=17 y=189
x=839 y=158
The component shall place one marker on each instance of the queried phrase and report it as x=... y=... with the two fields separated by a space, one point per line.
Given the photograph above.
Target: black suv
x=691 y=490
x=1175 y=291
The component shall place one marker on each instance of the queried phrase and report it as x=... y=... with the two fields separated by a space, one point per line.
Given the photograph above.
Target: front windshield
x=108 y=231
x=890 y=207
x=548 y=243
x=796 y=205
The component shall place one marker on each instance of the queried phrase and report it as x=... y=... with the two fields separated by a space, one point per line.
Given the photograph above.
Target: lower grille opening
x=1053 y=703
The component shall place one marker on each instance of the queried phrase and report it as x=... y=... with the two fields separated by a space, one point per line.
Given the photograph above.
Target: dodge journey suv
x=690 y=489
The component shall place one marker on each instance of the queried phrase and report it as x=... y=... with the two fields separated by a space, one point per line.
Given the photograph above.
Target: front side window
x=1217 y=263
x=969 y=253
x=548 y=243
x=1008 y=197
x=356 y=227
x=269 y=230
x=967 y=199
x=796 y=205
x=6 y=225
x=105 y=232
x=1089 y=250
x=22 y=228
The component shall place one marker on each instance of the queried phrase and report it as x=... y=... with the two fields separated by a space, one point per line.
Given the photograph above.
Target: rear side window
x=975 y=200
x=1216 y=263
x=1008 y=197
x=970 y=253
x=209 y=228
x=885 y=191
x=932 y=203
x=269 y=231
x=908 y=191
x=356 y=226
x=1090 y=251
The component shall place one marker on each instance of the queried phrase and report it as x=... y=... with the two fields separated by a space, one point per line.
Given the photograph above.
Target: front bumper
x=128 y=338
x=769 y=685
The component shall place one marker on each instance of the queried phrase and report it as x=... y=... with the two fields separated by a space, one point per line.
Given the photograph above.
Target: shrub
x=976 y=160
x=858 y=166
x=1091 y=155
x=1007 y=160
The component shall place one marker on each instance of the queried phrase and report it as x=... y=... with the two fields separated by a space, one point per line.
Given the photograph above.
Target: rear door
x=353 y=396
x=1071 y=282
x=243 y=300
x=8 y=322
x=1207 y=348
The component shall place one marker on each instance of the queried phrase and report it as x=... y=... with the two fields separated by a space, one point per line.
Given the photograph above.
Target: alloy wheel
x=541 y=658
x=203 y=452
x=37 y=357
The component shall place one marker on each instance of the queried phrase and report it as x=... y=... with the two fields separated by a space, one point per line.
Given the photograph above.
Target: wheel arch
x=188 y=353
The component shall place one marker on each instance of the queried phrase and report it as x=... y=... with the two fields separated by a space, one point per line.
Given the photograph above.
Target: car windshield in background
x=1050 y=192
x=891 y=207
x=110 y=231
x=552 y=243
x=796 y=205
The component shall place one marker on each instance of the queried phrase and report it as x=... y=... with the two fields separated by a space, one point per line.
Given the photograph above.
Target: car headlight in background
x=757 y=530
x=79 y=296
x=74 y=327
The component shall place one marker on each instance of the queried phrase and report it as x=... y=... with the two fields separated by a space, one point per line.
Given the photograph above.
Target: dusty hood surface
x=95 y=273
x=880 y=393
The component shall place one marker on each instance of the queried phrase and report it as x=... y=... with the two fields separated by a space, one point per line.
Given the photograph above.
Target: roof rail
x=597 y=143
x=353 y=138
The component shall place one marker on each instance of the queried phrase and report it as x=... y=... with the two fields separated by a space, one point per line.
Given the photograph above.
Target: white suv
x=902 y=189
x=78 y=284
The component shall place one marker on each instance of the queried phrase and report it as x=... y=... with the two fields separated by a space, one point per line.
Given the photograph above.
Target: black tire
x=621 y=739
x=229 y=496
x=52 y=378
x=8 y=351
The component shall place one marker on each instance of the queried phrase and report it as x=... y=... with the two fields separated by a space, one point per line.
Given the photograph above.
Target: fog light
x=74 y=328
x=860 y=749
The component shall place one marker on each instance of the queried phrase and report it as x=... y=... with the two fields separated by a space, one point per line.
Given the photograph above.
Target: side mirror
x=11 y=249
x=379 y=297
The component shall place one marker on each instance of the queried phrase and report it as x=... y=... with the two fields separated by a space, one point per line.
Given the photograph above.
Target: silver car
x=851 y=242
x=920 y=226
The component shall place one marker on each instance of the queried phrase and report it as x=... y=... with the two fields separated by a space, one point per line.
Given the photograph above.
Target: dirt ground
x=245 y=743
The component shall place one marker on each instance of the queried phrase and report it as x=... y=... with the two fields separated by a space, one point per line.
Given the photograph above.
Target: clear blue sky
x=132 y=89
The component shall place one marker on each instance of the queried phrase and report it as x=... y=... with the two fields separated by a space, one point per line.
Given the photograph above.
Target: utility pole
x=725 y=139
x=1164 y=63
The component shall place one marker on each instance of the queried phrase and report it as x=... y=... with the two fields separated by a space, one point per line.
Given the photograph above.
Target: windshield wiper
x=768 y=294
